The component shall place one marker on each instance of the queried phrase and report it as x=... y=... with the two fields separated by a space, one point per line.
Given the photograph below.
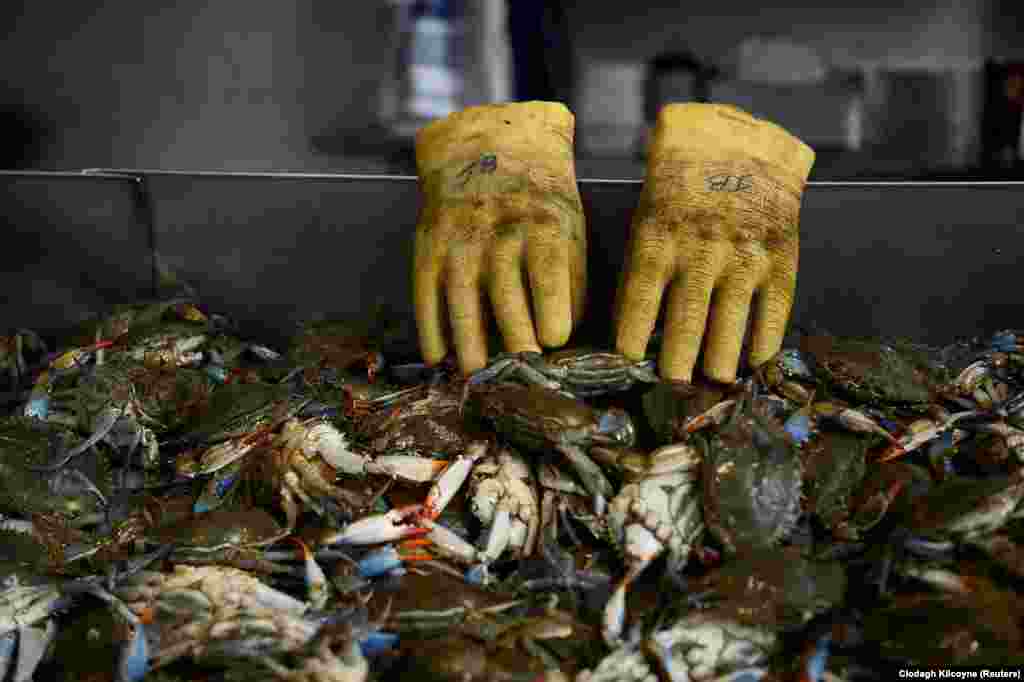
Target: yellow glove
x=718 y=220
x=500 y=215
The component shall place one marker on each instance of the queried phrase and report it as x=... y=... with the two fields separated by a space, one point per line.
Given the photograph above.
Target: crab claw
x=398 y=524
x=411 y=468
x=643 y=548
x=133 y=665
x=76 y=356
x=389 y=558
x=452 y=479
x=319 y=588
x=715 y=415
x=894 y=451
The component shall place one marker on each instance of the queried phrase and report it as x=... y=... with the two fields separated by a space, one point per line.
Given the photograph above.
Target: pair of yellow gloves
x=501 y=219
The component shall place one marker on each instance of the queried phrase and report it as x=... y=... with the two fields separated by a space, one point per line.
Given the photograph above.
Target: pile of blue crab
x=180 y=502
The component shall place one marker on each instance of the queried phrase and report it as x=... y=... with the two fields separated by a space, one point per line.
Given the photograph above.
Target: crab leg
x=103 y=424
x=614 y=620
x=716 y=415
x=851 y=419
x=591 y=475
x=912 y=441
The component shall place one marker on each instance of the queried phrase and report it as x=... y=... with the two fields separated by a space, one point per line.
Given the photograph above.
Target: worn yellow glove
x=718 y=221
x=500 y=216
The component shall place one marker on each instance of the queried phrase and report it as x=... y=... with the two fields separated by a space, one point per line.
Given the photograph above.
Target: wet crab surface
x=323 y=512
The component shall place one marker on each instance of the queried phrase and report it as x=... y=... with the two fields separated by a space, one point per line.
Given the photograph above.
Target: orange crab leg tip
x=410 y=558
x=891 y=454
x=418 y=541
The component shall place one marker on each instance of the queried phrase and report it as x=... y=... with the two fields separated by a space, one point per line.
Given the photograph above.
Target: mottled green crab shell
x=872 y=372
x=27 y=441
x=752 y=479
x=837 y=468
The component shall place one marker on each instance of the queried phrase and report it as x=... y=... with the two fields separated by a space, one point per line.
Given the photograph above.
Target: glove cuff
x=533 y=140
x=719 y=134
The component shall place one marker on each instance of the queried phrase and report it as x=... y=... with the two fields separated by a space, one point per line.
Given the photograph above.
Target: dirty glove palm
x=716 y=224
x=501 y=219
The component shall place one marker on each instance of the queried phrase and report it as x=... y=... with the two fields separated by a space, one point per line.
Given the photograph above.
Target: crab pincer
x=316 y=581
x=38 y=404
x=400 y=523
x=452 y=479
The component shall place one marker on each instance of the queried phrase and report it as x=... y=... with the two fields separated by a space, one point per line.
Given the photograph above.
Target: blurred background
x=930 y=90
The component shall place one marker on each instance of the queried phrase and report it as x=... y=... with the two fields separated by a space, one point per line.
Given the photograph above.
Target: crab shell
x=752 y=481
x=536 y=418
x=26 y=441
x=868 y=371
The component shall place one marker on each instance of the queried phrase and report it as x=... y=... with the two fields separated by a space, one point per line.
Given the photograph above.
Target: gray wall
x=246 y=84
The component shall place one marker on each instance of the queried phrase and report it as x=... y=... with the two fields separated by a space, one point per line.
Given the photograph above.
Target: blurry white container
x=610 y=107
x=446 y=55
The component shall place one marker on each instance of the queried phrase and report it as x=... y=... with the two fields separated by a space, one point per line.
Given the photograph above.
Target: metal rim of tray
x=298 y=175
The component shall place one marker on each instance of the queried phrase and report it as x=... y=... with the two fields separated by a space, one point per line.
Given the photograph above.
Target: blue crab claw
x=398 y=524
x=380 y=562
x=216 y=490
x=1007 y=342
x=815 y=659
x=134 y=663
x=799 y=426
x=377 y=642
x=478 y=575
x=8 y=647
x=38 y=404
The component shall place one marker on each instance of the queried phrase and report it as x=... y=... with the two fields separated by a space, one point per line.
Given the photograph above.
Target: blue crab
x=539 y=420
x=78 y=492
x=658 y=512
x=216 y=613
x=582 y=372
x=870 y=372
x=752 y=479
x=29 y=600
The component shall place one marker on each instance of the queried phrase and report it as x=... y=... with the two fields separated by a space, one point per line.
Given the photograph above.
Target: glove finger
x=649 y=268
x=547 y=262
x=725 y=330
x=685 y=316
x=428 y=300
x=509 y=299
x=465 y=308
x=771 y=312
